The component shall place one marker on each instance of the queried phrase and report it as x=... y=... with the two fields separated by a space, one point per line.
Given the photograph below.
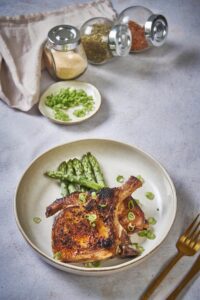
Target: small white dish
x=90 y=89
x=35 y=192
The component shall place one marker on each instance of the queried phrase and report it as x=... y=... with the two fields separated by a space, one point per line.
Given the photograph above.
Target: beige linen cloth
x=21 y=44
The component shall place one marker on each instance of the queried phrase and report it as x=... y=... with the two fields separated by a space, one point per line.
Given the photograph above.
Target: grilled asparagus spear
x=79 y=171
x=87 y=168
x=74 y=179
x=70 y=172
x=63 y=184
x=96 y=169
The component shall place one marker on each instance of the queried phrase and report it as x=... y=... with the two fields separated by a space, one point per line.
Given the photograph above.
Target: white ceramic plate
x=56 y=87
x=35 y=192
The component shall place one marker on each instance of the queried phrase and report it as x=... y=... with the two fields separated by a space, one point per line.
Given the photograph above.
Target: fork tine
x=196 y=238
x=190 y=237
x=188 y=230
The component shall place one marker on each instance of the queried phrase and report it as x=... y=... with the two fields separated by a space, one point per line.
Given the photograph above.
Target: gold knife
x=192 y=272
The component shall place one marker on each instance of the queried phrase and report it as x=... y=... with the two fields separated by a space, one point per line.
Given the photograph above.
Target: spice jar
x=148 y=29
x=102 y=40
x=64 y=55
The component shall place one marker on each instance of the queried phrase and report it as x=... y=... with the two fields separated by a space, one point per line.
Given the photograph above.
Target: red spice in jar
x=139 y=41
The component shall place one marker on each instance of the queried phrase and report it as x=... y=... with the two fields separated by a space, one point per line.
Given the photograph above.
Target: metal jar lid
x=120 y=40
x=156 y=30
x=64 y=37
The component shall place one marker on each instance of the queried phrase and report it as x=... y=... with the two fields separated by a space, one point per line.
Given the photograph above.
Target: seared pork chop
x=88 y=227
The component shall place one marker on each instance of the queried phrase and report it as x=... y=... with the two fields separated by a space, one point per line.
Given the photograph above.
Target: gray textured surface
x=150 y=100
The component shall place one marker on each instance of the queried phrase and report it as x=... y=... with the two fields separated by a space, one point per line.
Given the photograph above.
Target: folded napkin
x=21 y=44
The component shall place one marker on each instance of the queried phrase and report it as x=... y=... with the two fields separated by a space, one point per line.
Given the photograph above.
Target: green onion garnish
x=94 y=195
x=148 y=234
x=82 y=197
x=140 y=178
x=91 y=218
x=120 y=178
x=138 y=247
x=152 y=221
x=130 y=204
x=57 y=255
x=37 y=220
x=142 y=233
x=138 y=202
x=94 y=264
x=131 y=216
x=103 y=205
x=149 y=195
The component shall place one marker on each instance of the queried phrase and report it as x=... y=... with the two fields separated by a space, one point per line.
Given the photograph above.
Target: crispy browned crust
x=79 y=240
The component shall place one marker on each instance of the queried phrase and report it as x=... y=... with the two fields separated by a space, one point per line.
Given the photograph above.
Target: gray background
x=150 y=100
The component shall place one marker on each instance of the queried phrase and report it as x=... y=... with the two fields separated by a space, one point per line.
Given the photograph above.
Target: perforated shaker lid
x=64 y=37
x=156 y=30
x=119 y=40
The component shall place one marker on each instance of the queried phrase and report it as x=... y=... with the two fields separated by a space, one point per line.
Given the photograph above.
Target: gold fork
x=187 y=245
x=189 y=276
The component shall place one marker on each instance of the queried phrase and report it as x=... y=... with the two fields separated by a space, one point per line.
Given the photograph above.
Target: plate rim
x=60 y=122
x=82 y=270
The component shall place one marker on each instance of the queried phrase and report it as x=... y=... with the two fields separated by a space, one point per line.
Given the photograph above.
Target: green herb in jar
x=95 y=43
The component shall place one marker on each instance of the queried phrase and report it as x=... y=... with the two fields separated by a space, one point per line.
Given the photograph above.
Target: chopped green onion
x=131 y=227
x=94 y=195
x=61 y=115
x=152 y=221
x=131 y=216
x=149 y=195
x=68 y=98
x=57 y=255
x=80 y=113
x=94 y=264
x=140 y=178
x=82 y=197
x=37 y=220
x=103 y=205
x=142 y=233
x=130 y=204
x=150 y=235
x=120 y=178
x=91 y=218
x=138 y=202
x=138 y=247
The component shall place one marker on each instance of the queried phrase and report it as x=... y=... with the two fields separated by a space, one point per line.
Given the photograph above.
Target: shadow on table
x=158 y=62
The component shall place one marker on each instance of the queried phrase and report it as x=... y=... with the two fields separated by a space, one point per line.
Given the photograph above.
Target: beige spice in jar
x=68 y=64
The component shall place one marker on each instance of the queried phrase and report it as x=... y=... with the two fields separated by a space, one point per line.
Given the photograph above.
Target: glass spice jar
x=102 y=40
x=64 y=55
x=148 y=29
